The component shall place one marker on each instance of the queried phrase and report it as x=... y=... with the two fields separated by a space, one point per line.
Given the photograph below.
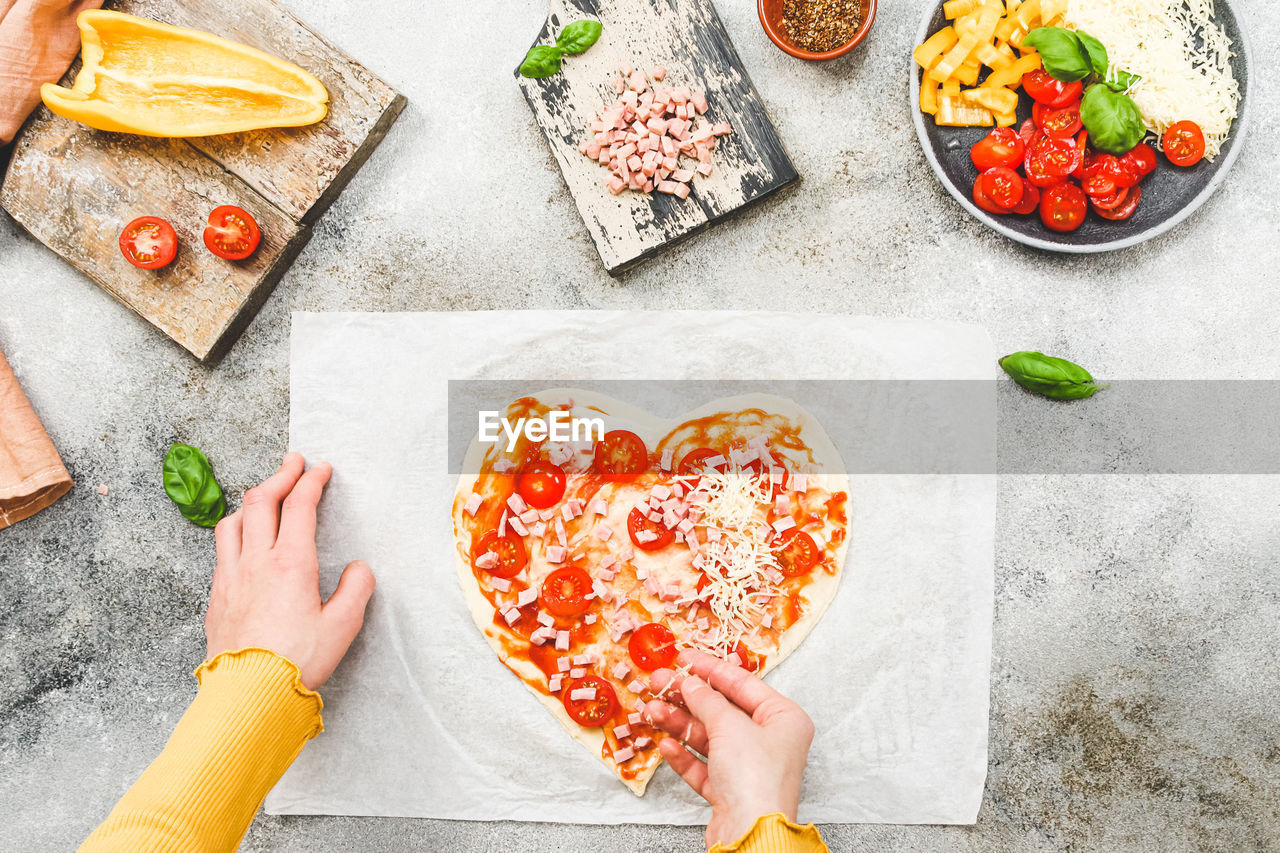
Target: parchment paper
x=422 y=720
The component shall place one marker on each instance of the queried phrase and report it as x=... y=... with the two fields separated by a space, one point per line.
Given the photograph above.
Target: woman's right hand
x=756 y=742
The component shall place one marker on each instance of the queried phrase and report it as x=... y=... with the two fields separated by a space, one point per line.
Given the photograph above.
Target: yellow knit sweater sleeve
x=773 y=833
x=249 y=721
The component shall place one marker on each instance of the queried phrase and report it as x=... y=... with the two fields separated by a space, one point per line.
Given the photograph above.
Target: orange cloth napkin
x=31 y=473
x=38 y=40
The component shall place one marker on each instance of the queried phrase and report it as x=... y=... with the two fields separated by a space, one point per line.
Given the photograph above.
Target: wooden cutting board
x=74 y=188
x=688 y=39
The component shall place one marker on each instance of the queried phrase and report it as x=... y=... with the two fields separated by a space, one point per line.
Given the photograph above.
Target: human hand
x=266 y=586
x=755 y=739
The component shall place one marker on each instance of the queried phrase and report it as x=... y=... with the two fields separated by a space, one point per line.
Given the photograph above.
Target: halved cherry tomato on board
x=594 y=712
x=695 y=461
x=1051 y=160
x=1063 y=207
x=652 y=646
x=1098 y=185
x=148 y=243
x=1142 y=159
x=798 y=553
x=1058 y=121
x=564 y=592
x=1003 y=186
x=981 y=200
x=1030 y=199
x=1046 y=90
x=1108 y=201
x=1001 y=147
x=1123 y=210
x=510 y=551
x=621 y=455
x=232 y=233
x=1184 y=143
x=541 y=484
x=1117 y=170
x=638 y=522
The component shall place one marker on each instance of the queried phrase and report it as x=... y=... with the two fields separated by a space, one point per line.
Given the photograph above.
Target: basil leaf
x=543 y=60
x=1060 y=50
x=1096 y=51
x=1055 y=378
x=1121 y=80
x=189 y=482
x=1112 y=119
x=579 y=36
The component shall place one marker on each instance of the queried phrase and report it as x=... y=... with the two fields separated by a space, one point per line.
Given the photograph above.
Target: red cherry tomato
x=638 y=522
x=1044 y=89
x=621 y=456
x=1028 y=131
x=1001 y=147
x=1142 y=159
x=1098 y=185
x=564 y=592
x=1082 y=142
x=232 y=233
x=148 y=243
x=1117 y=170
x=1184 y=143
x=981 y=200
x=1051 y=160
x=1123 y=210
x=1003 y=186
x=541 y=484
x=510 y=551
x=1063 y=207
x=652 y=646
x=798 y=553
x=695 y=461
x=1058 y=121
x=750 y=660
x=591 y=713
x=1030 y=199
x=1109 y=201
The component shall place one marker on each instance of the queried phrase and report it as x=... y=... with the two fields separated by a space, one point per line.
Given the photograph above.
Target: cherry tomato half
x=1142 y=159
x=981 y=200
x=1098 y=185
x=510 y=551
x=1058 y=121
x=564 y=592
x=621 y=455
x=1001 y=147
x=1051 y=160
x=541 y=484
x=638 y=522
x=591 y=713
x=148 y=243
x=695 y=461
x=1117 y=170
x=1003 y=186
x=798 y=553
x=1063 y=207
x=232 y=233
x=1030 y=199
x=1028 y=131
x=1044 y=89
x=1184 y=143
x=1108 y=201
x=1082 y=142
x=1123 y=210
x=652 y=646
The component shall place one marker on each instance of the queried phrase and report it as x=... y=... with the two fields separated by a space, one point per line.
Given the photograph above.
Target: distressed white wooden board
x=688 y=39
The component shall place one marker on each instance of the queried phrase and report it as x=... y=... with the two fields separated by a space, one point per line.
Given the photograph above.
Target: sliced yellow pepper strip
x=1012 y=76
x=153 y=79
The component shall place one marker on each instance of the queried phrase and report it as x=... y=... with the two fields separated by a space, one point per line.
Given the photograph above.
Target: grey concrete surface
x=1134 y=683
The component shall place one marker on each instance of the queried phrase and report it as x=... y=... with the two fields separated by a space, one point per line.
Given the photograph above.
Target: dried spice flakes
x=821 y=25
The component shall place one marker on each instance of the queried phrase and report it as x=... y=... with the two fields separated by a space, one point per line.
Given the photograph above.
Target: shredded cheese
x=1182 y=56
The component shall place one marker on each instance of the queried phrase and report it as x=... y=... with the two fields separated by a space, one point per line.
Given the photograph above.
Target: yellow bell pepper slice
x=1012 y=76
x=153 y=79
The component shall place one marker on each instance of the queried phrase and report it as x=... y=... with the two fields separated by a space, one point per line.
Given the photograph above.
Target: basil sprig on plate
x=1055 y=378
x=1108 y=113
x=189 y=482
x=543 y=60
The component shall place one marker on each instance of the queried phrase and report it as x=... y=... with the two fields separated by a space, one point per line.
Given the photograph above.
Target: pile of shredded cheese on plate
x=1182 y=56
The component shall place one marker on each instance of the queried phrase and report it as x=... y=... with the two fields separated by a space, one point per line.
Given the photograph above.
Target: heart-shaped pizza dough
x=737 y=549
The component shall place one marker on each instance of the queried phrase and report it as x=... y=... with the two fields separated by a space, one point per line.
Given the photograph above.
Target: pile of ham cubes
x=641 y=136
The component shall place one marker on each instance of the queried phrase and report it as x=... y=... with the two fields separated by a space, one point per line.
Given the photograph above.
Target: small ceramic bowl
x=771 y=20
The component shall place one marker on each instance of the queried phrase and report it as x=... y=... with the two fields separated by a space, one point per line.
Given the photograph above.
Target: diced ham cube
x=626 y=753
x=503 y=466
x=784 y=524
x=562 y=641
x=722 y=128
x=622 y=731
x=699 y=102
x=556 y=553
x=799 y=483
x=657 y=72
x=621 y=671
x=555 y=682
x=636 y=719
x=526 y=597
x=516 y=503
x=577 y=672
x=582 y=694
x=517 y=525
x=636 y=81
x=704 y=169
x=563 y=664
x=642 y=742
x=684 y=176
x=589 y=619
x=487 y=560
x=636 y=686
x=529 y=516
x=598 y=506
x=511 y=615
x=473 y=504
x=625 y=69
x=604 y=531
x=766 y=621
x=546 y=619
x=500 y=584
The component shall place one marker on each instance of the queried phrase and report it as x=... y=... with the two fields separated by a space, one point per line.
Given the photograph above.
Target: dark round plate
x=1169 y=195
